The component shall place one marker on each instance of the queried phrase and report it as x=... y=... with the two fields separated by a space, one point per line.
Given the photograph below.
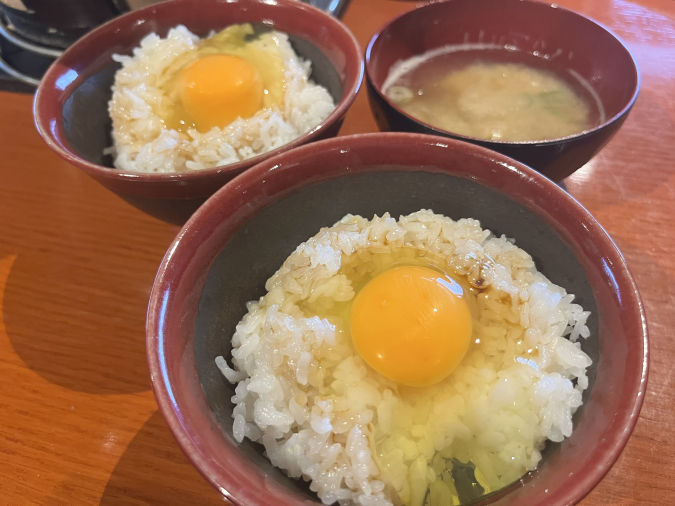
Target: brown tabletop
x=78 y=421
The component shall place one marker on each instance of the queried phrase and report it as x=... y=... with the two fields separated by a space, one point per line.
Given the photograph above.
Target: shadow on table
x=76 y=297
x=75 y=337
x=153 y=471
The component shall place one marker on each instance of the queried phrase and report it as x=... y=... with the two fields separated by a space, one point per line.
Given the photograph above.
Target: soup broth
x=497 y=95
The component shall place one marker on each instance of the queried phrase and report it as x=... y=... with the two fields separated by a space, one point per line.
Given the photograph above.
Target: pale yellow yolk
x=215 y=90
x=412 y=324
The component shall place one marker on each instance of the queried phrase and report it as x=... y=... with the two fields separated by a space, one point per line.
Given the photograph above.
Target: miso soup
x=493 y=94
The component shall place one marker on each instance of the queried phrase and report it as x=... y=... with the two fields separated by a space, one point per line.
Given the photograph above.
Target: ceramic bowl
x=241 y=236
x=573 y=42
x=71 y=104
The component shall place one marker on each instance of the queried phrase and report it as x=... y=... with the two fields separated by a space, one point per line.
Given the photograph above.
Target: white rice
x=307 y=396
x=143 y=144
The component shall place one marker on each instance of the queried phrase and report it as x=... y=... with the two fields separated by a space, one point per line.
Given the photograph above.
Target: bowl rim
x=497 y=143
x=168 y=277
x=45 y=128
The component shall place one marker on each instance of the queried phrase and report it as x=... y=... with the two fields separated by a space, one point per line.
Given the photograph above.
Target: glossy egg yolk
x=412 y=325
x=215 y=90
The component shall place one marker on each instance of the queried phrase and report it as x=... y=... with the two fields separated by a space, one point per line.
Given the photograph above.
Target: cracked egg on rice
x=182 y=103
x=421 y=362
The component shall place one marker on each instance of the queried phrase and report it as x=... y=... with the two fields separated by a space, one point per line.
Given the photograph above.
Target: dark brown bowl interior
x=225 y=253
x=71 y=105
x=572 y=41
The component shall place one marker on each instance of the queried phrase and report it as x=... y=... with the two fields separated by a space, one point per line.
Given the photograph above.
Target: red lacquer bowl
x=572 y=41
x=240 y=237
x=71 y=103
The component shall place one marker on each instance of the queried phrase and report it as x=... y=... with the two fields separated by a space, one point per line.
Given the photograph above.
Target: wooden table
x=78 y=421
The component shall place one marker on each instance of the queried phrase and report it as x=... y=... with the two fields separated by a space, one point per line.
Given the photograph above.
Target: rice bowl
x=142 y=142
x=222 y=259
x=322 y=414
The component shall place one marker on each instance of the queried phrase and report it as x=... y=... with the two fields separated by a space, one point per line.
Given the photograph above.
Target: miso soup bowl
x=572 y=41
x=71 y=104
x=228 y=249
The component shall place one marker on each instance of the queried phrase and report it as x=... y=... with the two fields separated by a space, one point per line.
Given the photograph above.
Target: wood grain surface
x=78 y=421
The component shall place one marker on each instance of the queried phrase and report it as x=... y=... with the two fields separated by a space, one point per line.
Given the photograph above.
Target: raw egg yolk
x=412 y=325
x=215 y=90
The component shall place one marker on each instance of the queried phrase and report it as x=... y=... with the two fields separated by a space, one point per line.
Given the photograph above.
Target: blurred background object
x=33 y=33
x=333 y=7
